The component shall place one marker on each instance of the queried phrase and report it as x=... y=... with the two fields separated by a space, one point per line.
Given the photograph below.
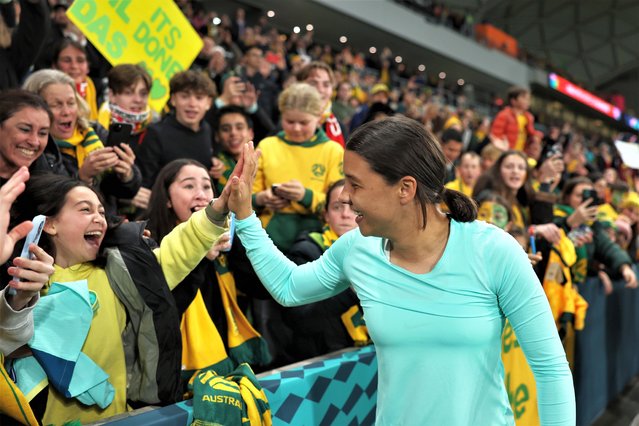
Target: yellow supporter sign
x=152 y=33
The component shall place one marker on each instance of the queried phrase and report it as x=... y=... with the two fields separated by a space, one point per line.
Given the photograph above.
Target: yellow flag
x=152 y=33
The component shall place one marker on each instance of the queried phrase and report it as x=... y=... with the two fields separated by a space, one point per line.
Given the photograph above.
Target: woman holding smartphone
x=84 y=154
x=18 y=299
x=435 y=288
x=578 y=216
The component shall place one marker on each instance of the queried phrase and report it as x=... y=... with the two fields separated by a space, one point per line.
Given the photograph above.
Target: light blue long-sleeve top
x=437 y=335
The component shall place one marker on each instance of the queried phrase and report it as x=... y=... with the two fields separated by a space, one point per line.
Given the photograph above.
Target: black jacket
x=169 y=140
x=26 y=43
x=152 y=339
x=51 y=161
x=317 y=326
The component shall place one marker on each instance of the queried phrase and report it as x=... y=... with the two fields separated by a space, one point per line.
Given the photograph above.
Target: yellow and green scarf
x=233 y=399
x=86 y=89
x=80 y=144
x=12 y=402
x=567 y=305
x=202 y=344
x=579 y=269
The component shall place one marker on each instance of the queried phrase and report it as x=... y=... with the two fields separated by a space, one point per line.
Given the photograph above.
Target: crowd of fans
x=61 y=113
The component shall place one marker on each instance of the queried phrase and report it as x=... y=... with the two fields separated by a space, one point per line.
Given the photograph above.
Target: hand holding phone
x=591 y=194
x=32 y=237
x=118 y=133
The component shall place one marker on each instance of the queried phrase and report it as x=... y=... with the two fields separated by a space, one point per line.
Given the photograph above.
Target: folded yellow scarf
x=231 y=399
x=80 y=144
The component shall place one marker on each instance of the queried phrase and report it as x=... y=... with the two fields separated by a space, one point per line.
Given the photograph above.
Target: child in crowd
x=234 y=128
x=182 y=133
x=295 y=170
x=129 y=88
x=489 y=155
x=320 y=75
x=215 y=332
x=70 y=57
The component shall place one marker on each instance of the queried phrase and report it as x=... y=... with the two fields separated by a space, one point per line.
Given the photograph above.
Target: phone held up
x=231 y=231
x=32 y=237
x=119 y=133
x=591 y=193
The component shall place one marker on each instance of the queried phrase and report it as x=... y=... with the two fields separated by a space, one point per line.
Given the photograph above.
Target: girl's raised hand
x=236 y=195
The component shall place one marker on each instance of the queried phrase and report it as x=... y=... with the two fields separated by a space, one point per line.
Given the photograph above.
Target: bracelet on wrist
x=218 y=219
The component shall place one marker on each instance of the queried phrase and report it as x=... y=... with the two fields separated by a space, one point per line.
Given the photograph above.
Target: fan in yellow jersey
x=296 y=168
x=469 y=171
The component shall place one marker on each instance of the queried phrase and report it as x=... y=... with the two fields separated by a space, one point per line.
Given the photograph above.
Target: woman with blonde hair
x=84 y=153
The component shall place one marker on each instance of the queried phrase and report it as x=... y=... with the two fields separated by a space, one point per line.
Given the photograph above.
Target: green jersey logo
x=318 y=170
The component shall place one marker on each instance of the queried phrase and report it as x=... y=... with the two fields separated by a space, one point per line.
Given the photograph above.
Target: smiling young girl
x=134 y=325
x=215 y=332
x=510 y=178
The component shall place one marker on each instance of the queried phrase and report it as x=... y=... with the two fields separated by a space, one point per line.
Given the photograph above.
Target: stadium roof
x=595 y=42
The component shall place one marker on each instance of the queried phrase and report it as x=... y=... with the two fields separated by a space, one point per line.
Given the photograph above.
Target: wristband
x=215 y=217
